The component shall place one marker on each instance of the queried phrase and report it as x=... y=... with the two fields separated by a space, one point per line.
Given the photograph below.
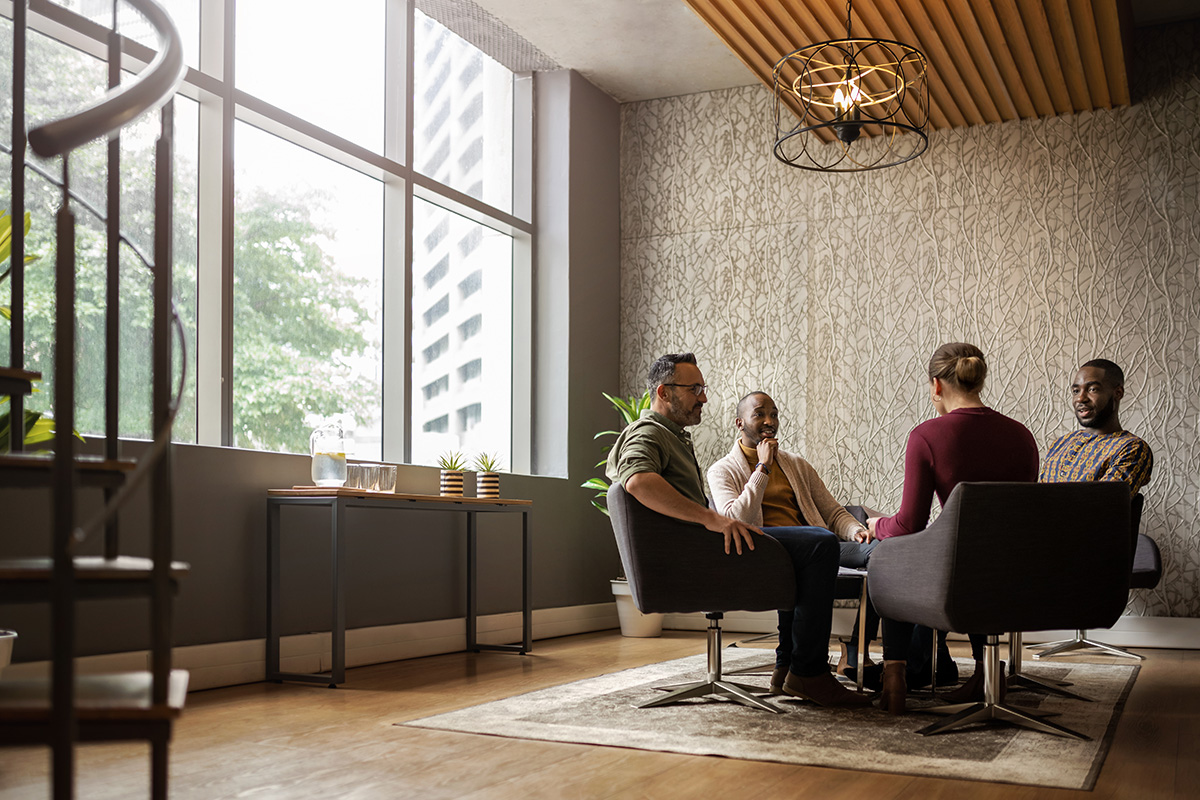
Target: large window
x=479 y=384
x=66 y=79
x=318 y=60
x=307 y=300
x=292 y=277
x=463 y=104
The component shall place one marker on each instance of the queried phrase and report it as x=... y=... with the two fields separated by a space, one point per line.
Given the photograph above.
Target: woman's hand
x=862 y=535
x=871 y=527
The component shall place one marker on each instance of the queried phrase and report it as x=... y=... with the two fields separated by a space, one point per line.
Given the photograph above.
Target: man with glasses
x=654 y=460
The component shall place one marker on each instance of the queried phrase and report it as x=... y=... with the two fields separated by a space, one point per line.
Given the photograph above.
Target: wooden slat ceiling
x=989 y=60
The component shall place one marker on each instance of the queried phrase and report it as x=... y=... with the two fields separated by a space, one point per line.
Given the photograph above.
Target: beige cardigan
x=738 y=492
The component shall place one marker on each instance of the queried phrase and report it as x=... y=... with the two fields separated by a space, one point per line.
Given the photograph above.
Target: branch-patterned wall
x=1046 y=242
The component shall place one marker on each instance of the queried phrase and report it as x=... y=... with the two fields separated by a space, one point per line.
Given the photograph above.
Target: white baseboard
x=230 y=663
x=1172 y=633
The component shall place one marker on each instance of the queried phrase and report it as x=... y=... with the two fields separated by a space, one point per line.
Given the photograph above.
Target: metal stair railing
x=153 y=88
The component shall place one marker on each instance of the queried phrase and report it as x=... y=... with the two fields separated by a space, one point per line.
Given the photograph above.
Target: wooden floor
x=298 y=741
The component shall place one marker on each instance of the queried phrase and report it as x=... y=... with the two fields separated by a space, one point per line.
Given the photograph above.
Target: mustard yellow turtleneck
x=779 y=505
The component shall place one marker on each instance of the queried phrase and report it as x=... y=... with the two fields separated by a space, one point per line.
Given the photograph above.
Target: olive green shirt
x=653 y=443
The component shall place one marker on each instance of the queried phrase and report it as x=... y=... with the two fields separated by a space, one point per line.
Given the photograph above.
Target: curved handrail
x=151 y=88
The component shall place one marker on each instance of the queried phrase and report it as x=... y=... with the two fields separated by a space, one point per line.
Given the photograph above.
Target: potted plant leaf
x=633 y=622
x=487 y=479
x=452 y=464
x=630 y=408
x=38 y=427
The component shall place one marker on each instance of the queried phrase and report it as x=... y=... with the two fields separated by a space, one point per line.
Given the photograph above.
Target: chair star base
x=715 y=683
x=1081 y=642
x=984 y=712
x=737 y=692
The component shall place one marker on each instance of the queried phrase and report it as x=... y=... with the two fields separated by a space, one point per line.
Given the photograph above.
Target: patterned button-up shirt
x=1084 y=455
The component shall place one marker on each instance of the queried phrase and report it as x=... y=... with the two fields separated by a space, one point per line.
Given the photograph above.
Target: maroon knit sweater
x=968 y=444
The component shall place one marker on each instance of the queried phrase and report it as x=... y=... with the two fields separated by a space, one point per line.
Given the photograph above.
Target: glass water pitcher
x=328 y=447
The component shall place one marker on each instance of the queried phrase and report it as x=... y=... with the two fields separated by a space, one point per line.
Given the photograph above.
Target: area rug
x=602 y=711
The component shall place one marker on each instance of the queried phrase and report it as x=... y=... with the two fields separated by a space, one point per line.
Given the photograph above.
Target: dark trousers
x=898 y=640
x=856 y=555
x=804 y=629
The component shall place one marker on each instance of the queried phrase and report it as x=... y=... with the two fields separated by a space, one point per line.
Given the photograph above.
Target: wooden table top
x=341 y=491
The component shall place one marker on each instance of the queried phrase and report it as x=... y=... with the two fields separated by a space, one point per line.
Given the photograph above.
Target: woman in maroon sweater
x=967 y=441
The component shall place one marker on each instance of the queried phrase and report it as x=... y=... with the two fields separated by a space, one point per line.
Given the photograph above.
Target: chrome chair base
x=1081 y=642
x=983 y=712
x=1017 y=679
x=714 y=684
x=738 y=692
x=992 y=709
x=755 y=669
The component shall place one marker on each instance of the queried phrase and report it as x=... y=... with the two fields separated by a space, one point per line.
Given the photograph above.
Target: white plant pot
x=633 y=622
x=7 y=638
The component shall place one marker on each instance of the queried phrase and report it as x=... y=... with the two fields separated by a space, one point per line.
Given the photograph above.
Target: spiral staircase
x=66 y=708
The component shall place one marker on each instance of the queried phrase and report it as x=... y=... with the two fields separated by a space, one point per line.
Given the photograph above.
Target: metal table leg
x=273 y=512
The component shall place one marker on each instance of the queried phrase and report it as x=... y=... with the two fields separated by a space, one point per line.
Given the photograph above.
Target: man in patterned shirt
x=1102 y=450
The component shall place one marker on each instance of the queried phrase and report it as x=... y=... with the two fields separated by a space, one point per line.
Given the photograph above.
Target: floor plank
x=298 y=741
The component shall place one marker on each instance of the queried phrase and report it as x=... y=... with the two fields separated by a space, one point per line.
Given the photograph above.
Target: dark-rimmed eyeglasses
x=697 y=388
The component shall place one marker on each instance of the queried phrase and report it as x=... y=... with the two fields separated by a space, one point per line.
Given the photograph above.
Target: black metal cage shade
x=871 y=94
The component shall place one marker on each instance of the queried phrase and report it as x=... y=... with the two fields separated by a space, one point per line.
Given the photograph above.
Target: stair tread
x=111 y=697
x=17 y=381
x=21 y=374
x=45 y=461
x=87 y=568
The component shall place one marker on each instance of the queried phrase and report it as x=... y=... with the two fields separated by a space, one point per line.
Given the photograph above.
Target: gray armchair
x=680 y=567
x=1010 y=557
x=1146 y=573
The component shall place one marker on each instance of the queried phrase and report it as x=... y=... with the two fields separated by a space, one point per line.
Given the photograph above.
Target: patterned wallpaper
x=1045 y=242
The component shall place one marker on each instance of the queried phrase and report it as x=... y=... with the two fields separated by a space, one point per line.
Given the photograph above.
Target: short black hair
x=742 y=402
x=1112 y=373
x=663 y=369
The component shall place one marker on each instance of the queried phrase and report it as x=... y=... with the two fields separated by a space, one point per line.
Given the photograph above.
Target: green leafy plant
x=6 y=251
x=453 y=460
x=485 y=462
x=39 y=428
x=630 y=408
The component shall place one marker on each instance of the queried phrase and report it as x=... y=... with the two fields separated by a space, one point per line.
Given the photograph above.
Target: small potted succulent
x=487 y=481
x=452 y=464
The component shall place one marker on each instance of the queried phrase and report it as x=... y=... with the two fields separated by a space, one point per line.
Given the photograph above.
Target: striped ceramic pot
x=452 y=483
x=487 y=484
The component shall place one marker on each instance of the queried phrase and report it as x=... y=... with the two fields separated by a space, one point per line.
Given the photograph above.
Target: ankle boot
x=894 y=687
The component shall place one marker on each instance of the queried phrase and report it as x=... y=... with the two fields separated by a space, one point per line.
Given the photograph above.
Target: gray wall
x=406 y=566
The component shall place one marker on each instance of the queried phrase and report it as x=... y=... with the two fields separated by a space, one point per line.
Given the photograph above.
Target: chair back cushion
x=680 y=567
x=1012 y=557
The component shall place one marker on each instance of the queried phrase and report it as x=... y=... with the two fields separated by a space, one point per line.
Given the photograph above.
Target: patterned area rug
x=603 y=711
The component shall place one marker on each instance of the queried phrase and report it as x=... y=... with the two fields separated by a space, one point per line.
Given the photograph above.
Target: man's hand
x=766 y=451
x=734 y=531
x=863 y=535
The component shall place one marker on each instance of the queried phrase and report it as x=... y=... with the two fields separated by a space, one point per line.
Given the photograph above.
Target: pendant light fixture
x=857 y=104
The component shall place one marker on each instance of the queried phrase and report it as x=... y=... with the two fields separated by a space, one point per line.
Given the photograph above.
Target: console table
x=339 y=501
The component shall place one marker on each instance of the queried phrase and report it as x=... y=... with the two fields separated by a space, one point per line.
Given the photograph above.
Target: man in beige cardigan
x=764 y=486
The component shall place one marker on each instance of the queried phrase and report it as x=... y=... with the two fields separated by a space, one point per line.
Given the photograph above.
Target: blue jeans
x=804 y=629
x=856 y=555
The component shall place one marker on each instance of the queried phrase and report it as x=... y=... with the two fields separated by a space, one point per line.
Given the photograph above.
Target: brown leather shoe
x=778 y=675
x=824 y=690
x=894 y=687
